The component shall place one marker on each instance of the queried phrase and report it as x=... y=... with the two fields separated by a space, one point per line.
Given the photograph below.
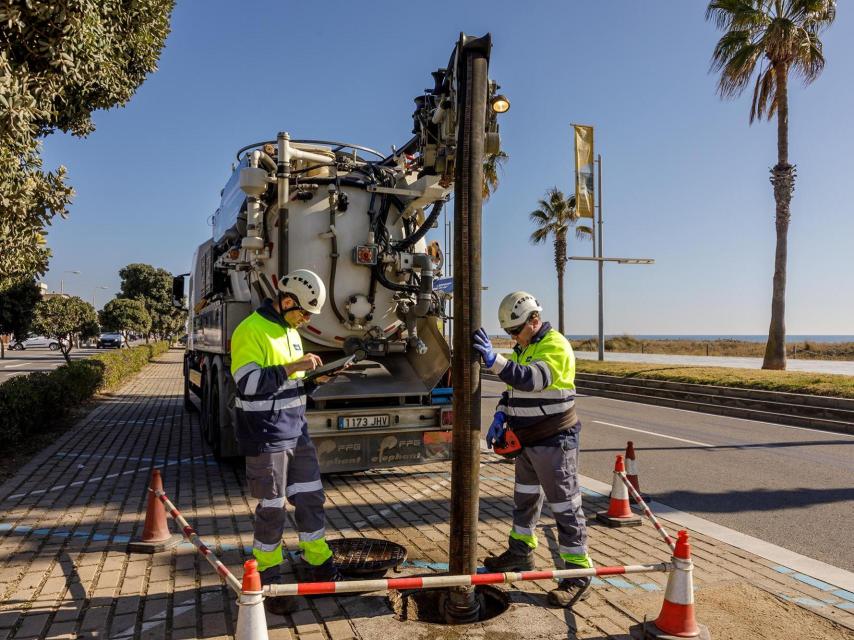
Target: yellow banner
x=584 y=193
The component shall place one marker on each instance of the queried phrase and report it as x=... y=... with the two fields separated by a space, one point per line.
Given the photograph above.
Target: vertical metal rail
x=601 y=266
x=472 y=67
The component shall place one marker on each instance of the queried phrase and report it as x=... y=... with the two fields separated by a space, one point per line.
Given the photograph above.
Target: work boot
x=277 y=605
x=518 y=557
x=569 y=591
x=326 y=572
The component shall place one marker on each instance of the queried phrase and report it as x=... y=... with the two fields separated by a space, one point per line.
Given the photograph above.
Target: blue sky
x=685 y=177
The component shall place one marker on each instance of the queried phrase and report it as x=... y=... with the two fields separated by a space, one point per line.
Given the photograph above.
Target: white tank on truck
x=359 y=219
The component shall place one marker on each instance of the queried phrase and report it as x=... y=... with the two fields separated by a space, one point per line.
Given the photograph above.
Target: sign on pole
x=584 y=191
x=445 y=285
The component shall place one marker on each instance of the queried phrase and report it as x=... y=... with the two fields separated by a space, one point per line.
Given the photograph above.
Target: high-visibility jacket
x=540 y=398
x=270 y=406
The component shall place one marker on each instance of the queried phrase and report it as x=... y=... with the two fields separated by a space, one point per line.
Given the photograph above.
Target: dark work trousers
x=550 y=473
x=292 y=475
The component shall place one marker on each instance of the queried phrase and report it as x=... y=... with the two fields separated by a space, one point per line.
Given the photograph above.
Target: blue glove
x=496 y=429
x=483 y=346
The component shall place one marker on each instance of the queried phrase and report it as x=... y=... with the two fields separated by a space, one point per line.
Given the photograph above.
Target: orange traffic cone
x=251 y=620
x=676 y=619
x=155 y=531
x=619 y=513
x=632 y=471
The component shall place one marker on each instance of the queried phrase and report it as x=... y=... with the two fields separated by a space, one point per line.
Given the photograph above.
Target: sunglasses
x=515 y=331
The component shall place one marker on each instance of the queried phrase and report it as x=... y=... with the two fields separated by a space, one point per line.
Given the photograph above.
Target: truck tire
x=189 y=405
x=214 y=405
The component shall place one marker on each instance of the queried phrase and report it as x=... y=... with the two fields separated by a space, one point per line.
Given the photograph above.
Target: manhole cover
x=366 y=557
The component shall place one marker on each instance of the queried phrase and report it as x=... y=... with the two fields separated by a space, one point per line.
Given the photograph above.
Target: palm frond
x=583 y=232
x=540 y=235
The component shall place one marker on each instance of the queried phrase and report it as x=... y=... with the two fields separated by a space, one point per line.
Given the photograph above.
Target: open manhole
x=429 y=605
x=366 y=558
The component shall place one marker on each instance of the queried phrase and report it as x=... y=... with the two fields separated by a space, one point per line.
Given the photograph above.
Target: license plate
x=362 y=422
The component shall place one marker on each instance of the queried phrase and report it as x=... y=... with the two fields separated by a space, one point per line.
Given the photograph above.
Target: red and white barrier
x=434 y=582
x=648 y=512
x=193 y=537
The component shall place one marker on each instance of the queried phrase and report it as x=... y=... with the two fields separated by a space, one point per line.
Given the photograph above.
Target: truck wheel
x=188 y=402
x=214 y=408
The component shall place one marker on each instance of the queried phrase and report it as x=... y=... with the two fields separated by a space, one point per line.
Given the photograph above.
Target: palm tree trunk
x=783 y=181
x=560 y=266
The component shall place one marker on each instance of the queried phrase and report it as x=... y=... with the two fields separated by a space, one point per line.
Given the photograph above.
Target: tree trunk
x=560 y=266
x=2 y=349
x=783 y=181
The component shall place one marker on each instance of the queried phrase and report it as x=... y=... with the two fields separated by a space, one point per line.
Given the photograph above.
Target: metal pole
x=472 y=66
x=601 y=271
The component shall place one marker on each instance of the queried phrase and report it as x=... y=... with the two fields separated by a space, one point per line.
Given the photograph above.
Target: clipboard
x=329 y=369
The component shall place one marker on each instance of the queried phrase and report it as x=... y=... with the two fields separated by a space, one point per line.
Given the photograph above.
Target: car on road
x=36 y=342
x=110 y=341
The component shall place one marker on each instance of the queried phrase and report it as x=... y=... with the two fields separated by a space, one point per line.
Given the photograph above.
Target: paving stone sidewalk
x=66 y=518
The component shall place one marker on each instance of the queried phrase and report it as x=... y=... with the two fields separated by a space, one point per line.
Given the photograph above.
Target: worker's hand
x=496 y=429
x=484 y=347
x=308 y=362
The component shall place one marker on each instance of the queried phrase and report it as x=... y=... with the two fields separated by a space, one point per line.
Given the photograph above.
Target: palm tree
x=771 y=37
x=490 y=172
x=555 y=216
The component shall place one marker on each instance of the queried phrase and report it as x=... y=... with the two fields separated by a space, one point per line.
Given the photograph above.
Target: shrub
x=39 y=401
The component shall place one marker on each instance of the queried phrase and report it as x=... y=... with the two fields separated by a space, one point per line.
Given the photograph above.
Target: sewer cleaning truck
x=359 y=219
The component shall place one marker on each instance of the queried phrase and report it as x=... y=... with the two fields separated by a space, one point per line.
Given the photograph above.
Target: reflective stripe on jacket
x=270 y=407
x=540 y=385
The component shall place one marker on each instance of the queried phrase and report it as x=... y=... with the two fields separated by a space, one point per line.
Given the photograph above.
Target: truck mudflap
x=354 y=451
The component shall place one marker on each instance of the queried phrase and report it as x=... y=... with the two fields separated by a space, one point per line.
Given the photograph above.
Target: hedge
x=40 y=401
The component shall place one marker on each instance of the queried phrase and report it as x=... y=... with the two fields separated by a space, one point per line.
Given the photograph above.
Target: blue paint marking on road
x=780 y=569
x=96 y=537
x=649 y=586
x=598 y=582
x=619 y=582
x=845 y=595
x=433 y=566
x=591 y=493
x=818 y=584
x=848 y=606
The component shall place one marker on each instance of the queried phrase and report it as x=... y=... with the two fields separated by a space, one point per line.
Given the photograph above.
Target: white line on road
x=653 y=433
x=714 y=415
x=20 y=364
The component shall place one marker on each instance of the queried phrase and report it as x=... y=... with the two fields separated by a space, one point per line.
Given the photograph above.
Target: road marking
x=20 y=364
x=653 y=433
x=814 y=568
x=714 y=415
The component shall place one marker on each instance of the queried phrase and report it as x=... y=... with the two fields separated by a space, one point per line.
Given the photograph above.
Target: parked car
x=35 y=342
x=111 y=341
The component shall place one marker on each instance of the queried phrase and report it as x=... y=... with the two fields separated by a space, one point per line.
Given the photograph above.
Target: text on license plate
x=362 y=422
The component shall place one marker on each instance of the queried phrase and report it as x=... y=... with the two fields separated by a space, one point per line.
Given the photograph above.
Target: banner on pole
x=584 y=193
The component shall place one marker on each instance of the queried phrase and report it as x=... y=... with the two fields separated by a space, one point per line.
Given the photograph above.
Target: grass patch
x=820 y=384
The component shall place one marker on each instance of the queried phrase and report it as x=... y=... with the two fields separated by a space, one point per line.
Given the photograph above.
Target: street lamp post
x=62 y=283
x=103 y=286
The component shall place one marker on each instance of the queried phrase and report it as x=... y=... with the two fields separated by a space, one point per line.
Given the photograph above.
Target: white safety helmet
x=516 y=308
x=306 y=287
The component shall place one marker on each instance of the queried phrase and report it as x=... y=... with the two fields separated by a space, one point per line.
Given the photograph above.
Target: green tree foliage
x=65 y=319
x=124 y=315
x=555 y=215
x=153 y=287
x=60 y=60
x=16 y=310
x=770 y=39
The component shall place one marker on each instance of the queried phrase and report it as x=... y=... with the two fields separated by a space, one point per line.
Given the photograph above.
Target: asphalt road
x=790 y=486
x=36 y=359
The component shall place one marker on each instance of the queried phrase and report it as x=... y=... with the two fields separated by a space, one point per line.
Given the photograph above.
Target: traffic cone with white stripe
x=632 y=471
x=677 y=619
x=155 y=531
x=251 y=621
x=619 y=513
